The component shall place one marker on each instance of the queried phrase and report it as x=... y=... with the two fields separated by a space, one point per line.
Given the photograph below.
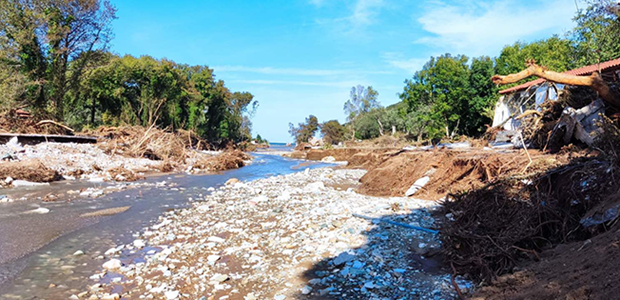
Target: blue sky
x=301 y=57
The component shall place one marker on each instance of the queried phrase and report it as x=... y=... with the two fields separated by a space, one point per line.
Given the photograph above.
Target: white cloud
x=317 y=3
x=476 y=28
x=359 y=14
x=365 y=12
x=398 y=60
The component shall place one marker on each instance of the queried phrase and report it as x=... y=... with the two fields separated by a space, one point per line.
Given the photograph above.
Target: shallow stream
x=38 y=250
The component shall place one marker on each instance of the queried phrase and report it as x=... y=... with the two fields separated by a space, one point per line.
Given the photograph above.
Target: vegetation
x=333 y=132
x=54 y=61
x=304 y=131
x=453 y=95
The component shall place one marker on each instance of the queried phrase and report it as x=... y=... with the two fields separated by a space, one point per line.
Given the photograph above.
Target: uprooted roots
x=487 y=231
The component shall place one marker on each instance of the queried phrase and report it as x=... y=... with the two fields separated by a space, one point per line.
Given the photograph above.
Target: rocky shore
x=283 y=237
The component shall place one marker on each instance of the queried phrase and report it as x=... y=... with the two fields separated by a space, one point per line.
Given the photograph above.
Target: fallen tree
x=594 y=81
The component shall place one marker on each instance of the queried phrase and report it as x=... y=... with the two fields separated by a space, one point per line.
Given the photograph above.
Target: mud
x=450 y=171
x=580 y=270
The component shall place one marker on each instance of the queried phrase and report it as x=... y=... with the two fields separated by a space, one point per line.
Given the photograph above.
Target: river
x=37 y=251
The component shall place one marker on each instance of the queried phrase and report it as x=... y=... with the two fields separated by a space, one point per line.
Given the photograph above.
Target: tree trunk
x=380 y=127
x=92 y=113
x=594 y=81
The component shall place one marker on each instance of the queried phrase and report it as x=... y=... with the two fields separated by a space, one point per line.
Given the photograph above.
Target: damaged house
x=576 y=120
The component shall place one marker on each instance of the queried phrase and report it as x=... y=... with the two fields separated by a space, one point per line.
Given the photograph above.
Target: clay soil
x=575 y=271
x=450 y=171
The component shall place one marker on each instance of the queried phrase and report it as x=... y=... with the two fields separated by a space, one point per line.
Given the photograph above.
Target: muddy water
x=37 y=251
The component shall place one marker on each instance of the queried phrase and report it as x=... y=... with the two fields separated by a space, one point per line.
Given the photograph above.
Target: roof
x=579 y=71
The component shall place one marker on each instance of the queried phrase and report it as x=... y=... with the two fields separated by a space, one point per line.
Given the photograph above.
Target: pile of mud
x=578 y=270
x=449 y=171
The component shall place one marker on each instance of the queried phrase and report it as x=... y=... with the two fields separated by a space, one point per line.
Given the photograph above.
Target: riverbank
x=38 y=165
x=44 y=264
x=282 y=237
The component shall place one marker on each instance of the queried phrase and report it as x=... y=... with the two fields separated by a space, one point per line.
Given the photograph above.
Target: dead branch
x=55 y=123
x=594 y=81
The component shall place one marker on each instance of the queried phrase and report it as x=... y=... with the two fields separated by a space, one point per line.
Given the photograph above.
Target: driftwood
x=594 y=81
x=55 y=123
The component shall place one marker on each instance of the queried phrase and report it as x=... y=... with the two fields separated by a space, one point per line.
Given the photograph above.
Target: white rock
x=112 y=264
x=306 y=290
x=216 y=239
x=171 y=295
x=20 y=183
x=328 y=159
x=212 y=259
x=420 y=183
x=8 y=180
x=314 y=187
x=14 y=145
x=139 y=244
x=78 y=253
x=40 y=210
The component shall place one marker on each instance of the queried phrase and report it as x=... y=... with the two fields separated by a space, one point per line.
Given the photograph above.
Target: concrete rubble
x=283 y=237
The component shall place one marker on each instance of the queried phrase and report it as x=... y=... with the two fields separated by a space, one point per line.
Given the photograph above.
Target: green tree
x=361 y=101
x=333 y=132
x=596 y=34
x=52 y=42
x=443 y=84
x=304 y=131
x=555 y=53
x=483 y=97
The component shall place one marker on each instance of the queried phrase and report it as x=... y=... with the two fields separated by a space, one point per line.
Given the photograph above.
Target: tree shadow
x=394 y=263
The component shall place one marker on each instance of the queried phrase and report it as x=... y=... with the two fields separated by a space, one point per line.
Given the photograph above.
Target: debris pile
x=487 y=231
x=21 y=121
x=227 y=160
x=137 y=141
x=284 y=237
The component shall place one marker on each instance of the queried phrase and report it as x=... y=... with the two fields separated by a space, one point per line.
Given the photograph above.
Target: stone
x=417 y=185
x=216 y=239
x=212 y=259
x=139 y=244
x=111 y=297
x=112 y=264
x=24 y=183
x=306 y=290
x=171 y=295
x=343 y=258
x=40 y=210
x=279 y=297
x=328 y=159
x=78 y=253
x=232 y=181
x=219 y=278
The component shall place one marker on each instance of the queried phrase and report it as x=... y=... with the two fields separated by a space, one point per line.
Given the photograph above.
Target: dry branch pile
x=137 y=141
x=487 y=231
x=231 y=159
x=20 y=121
x=29 y=170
